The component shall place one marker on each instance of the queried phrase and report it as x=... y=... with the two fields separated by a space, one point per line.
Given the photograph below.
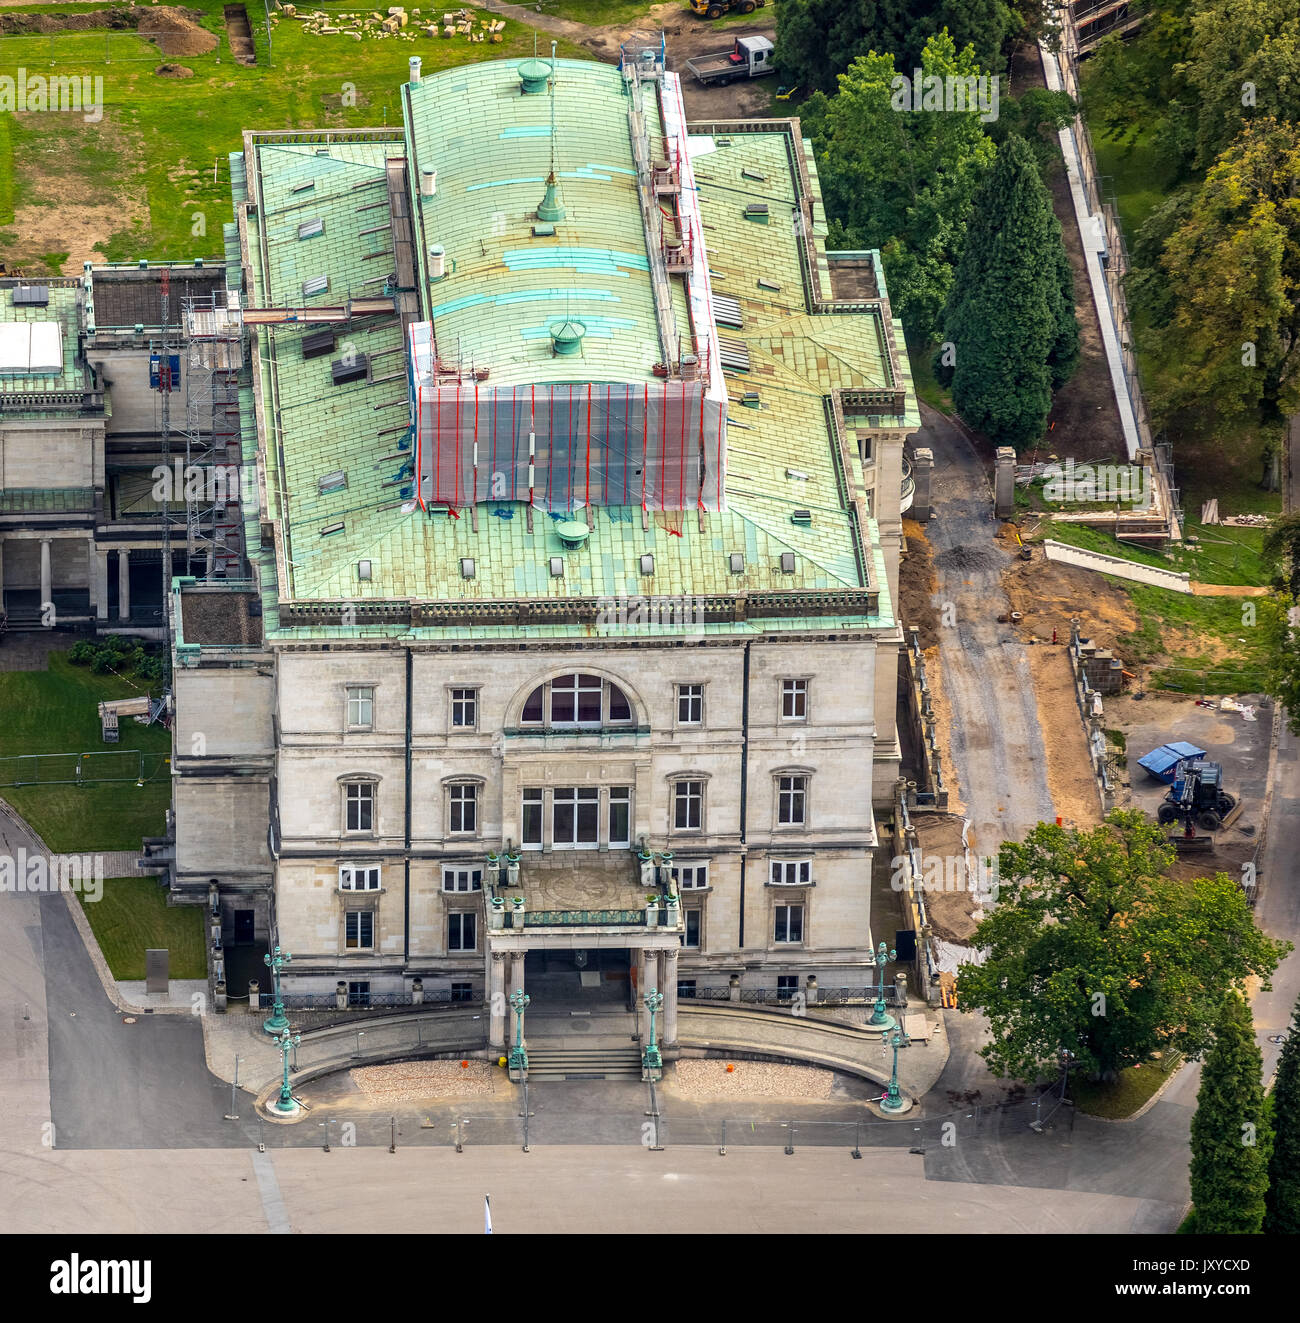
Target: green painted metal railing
x=582 y=918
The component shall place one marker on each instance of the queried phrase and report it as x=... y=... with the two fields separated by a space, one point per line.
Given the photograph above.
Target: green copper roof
x=492 y=149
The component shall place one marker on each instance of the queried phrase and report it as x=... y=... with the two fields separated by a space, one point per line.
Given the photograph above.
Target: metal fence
x=96 y=767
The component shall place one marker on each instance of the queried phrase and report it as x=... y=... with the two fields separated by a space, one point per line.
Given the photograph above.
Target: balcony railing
x=583 y=918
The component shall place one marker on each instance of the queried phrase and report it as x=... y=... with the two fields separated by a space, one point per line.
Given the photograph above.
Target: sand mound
x=173 y=71
x=176 y=31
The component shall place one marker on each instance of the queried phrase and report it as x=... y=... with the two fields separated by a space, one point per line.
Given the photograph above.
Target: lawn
x=133 y=916
x=923 y=379
x=55 y=711
x=1122 y=1098
x=152 y=179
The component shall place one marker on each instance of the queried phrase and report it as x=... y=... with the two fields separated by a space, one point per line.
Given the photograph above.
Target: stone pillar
x=670 y=998
x=497 y=1001
x=1004 y=483
x=100 y=581
x=123 y=584
x=645 y=977
x=47 y=578
x=733 y=988
x=517 y=972
x=922 y=467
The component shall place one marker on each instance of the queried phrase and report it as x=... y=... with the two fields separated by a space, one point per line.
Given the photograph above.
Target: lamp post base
x=895 y=1106
x=282 y=1108
x=277 y=1023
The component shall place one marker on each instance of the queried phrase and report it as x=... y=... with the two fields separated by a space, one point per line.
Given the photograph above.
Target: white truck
x=750 y=57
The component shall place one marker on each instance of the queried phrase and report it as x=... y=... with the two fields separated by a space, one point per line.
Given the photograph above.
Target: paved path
x=994 y=736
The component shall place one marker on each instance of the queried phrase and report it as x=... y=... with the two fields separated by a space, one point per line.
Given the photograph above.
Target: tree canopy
x=1092 y=948
x=1010 y=318
x=901 y=182
x=1282 y=1205
x=1231 y=1138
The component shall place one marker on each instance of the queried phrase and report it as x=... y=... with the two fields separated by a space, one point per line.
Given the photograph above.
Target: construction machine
x=716 y=8
x=1197 y=799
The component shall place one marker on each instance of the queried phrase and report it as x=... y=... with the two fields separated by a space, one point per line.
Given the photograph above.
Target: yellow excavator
x=716 y=8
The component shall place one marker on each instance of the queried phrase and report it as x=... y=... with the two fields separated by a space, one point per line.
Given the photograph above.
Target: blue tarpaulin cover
x=1163 y=762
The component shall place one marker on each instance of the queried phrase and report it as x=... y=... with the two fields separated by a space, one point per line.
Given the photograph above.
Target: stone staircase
x=583 y=1063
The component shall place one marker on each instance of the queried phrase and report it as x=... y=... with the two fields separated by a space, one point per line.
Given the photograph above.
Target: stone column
x=47 y=578
x=517 y=971
x=497 y=1001
x=645 y=980
x=1004 y=483
x=922 y=467
x=670 y=998
x=123 y=584
x=100 y=581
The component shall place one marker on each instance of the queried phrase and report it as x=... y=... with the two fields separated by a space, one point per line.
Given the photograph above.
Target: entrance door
x=244 y=927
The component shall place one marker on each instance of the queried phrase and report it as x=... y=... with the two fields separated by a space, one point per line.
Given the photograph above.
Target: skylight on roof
x=303 y=188
x=310 y=229
x=316 y=285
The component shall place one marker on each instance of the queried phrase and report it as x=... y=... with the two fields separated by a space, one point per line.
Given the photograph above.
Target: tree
x=1092 y=949
x=1231 y=1139
x=900 y=181
x=1282 y=1203
x=817 y=40
x=1231 y=272
x=1010 y=318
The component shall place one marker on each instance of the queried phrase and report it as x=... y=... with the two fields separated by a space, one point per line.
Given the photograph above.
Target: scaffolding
x=214 y=344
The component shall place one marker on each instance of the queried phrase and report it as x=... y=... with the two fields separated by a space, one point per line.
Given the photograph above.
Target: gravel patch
x=413 y=1081
x=751 y=1079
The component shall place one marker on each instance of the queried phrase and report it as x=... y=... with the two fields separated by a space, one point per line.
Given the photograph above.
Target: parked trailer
x=750 y=57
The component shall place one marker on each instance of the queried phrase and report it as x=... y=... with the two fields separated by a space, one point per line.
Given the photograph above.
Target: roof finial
x=551 y=208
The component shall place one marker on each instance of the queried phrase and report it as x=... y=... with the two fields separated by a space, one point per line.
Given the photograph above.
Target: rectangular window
x=359 y=996
x=794 y=700
x=575 y=816
x=688 y=805
x=462 y=879
x=786 y=986
x=792 y=800
x=690 y=704
x=620 y=815
x=464 y=808
x=791 y=872
x=464 y=708
x=462 y=992
x=575 y=699
x=359 y=930
x=531 y=818
x=358 y=877
x=462 y=932
x=692 y=918
x=691 y=877
x=685 y=988
x=361 y=706
x=360 y=800
x=789 y=923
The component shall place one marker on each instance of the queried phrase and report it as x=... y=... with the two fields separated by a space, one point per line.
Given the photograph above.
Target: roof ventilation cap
x=533 y=75
x=566 y=337
x=573 y=533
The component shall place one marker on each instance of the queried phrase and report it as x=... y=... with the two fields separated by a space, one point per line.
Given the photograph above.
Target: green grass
x=132 y=916
x=1138 y=174
x=1121 y=1099
x=923 y=378
x=8 y=178
x=55 y=711
x=164 y=135
x=628 y=13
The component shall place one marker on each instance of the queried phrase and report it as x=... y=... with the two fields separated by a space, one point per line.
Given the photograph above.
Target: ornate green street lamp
x=650 y=1058
x=519 y=1000
x=893 y=1101
x=285 y=1104
x=880 y=1018
x=275 y=962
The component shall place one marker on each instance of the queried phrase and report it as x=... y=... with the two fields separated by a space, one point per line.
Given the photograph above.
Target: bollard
x=857 y=1139
x=789 y=1147
x=722 y=1152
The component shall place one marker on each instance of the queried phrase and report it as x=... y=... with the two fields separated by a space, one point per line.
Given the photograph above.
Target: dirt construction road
x=993 y=729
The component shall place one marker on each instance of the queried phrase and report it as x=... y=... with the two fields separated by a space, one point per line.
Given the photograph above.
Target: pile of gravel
x=751 y=1079
x=414 y=1081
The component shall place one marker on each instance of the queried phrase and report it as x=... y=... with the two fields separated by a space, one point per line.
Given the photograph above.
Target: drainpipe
x=744 y=785
x=406 y=818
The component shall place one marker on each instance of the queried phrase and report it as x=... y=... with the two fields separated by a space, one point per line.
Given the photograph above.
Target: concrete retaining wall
x=1118 y=566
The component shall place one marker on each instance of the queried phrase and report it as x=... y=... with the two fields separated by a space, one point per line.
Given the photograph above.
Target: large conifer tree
x=1010 y=319
x=1231 y=1140
x=1282 y=1215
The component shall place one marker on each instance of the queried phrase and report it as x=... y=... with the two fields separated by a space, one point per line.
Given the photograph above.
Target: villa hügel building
x=573 y=474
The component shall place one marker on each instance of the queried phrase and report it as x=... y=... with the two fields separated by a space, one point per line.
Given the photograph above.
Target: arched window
x=577 y=700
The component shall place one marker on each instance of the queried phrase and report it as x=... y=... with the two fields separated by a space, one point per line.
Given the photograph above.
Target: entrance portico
x=652 y=955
